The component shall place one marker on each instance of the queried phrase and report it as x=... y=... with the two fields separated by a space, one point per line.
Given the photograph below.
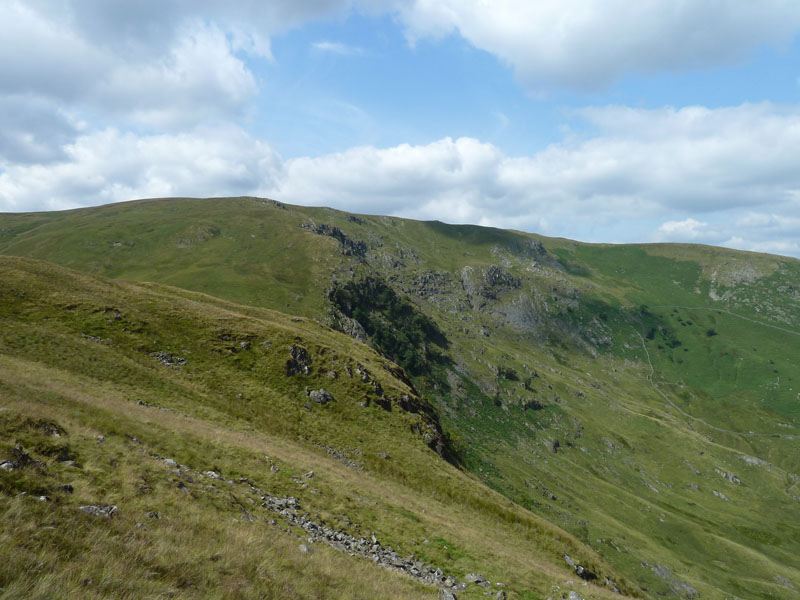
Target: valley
x=545 y=404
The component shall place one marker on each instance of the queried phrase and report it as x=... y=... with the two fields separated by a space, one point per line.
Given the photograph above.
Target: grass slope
x=87 y=401
x=641 y=397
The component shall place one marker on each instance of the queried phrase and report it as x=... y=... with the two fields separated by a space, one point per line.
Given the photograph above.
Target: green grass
x=609 y=345
x=232 y=409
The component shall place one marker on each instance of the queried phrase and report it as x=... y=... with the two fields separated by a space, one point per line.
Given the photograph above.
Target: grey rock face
x=300 y=361
x=677 y=586
x=496 y=279
x=580 y=570
x=348 y=246
x=729 y=476
x=352 y=328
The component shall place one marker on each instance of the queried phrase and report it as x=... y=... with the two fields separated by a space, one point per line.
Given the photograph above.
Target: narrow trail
x=733 y=314
x=793 y=478
x=698 y=419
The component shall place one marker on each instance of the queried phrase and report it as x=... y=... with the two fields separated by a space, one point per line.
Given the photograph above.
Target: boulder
x=299 y=363
x=98 y=510
x=320 y=396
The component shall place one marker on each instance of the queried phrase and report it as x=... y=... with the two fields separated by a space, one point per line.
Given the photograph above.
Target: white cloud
x=112 y=166
x=587 y=44
x=688 y=230
x=785 y=247
x=640 y=166
x=711 y=167
x=42 y=55
x=94 y=52
x=394 y=179
x=696 y=174
x=199 y=79
x=337 y=48
x=147 y=28
x=766 y=232
x=167 y=65
x=33 y=130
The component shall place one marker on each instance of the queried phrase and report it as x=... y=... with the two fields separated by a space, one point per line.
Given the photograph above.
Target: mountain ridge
x=604 y=388
x=127 y=395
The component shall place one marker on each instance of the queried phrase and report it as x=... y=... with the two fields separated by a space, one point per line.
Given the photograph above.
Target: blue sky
x=607 y=121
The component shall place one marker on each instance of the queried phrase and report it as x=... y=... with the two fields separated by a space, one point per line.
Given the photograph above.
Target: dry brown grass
x=518 y=549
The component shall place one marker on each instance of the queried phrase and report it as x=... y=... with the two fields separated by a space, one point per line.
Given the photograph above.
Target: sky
x=597 y=120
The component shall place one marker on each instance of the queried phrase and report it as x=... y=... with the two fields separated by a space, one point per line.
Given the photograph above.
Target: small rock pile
x=97 y=510
x=289 y=508
x=21 y=459
x=588 y=575
x=167 y=359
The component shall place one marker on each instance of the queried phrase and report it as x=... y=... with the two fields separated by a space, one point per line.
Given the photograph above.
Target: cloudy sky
x=599 y=120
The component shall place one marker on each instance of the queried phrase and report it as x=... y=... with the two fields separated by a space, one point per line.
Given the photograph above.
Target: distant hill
x=639 y=397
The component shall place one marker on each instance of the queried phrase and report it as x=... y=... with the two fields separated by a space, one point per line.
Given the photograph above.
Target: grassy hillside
x=177 y=408
x=640 y=397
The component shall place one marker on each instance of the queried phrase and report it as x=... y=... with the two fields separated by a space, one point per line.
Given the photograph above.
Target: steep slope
x=639 y=396
x=191 y=416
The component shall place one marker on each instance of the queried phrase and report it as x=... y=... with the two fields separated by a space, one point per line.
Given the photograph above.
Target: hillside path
x=698 y=419
x=733 y=314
